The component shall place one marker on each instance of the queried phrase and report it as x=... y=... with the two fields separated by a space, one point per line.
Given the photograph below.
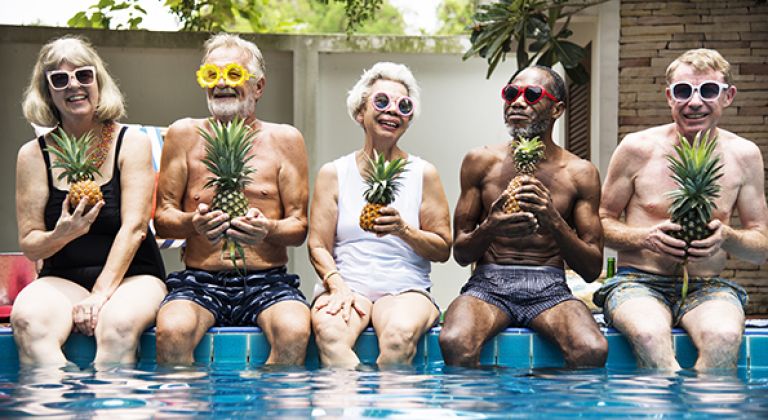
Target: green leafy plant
x=531 y=28
x=215 y=15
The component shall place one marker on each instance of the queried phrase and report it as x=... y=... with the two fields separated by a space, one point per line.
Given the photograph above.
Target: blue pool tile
x=420 y=358
x=434 y=354
x=367 y=347
x=488 y=353
x=685 y=351
x=514 y=350
x=230 y=348
x=259 y=349
x=743 y=355
x=204 y=350
x=312 y=360
x=10 y=356
x=148 y=348
x=620 y=353
x=546 y=354
x=758 y=351
x=80 y=349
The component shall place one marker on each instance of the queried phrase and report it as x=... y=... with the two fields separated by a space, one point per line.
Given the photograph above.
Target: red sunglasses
x=531 y=93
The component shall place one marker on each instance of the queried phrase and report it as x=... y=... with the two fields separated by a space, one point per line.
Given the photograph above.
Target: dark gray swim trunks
x=522 y=291
x=233 y=299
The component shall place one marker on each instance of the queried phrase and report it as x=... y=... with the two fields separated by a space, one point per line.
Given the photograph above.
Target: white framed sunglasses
x=60 y=79
x=709 y=90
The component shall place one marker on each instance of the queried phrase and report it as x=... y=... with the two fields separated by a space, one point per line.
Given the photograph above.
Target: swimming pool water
x=430 y=392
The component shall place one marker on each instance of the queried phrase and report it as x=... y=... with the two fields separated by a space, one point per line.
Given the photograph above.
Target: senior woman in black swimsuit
x=102 y=272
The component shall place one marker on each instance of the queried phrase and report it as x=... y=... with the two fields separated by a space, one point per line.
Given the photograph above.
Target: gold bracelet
x=329 y=274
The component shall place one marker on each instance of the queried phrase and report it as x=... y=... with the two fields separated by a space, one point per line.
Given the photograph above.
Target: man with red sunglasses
x=519 y=276
x=644 y=300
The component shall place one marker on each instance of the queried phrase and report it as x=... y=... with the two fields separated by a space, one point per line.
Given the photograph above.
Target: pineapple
x=526 y=153
x=383 y=181
x=77 y=162
x=226 y=157
x=695 y=170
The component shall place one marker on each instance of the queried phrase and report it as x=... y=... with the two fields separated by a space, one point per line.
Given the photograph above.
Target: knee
x=398 y=339
x=291 y=332
x=27 y=323
x=172 y=330
x=588 y=350
x=649 y=336
x=456 y=345
x=721 y=337
x=117 y=331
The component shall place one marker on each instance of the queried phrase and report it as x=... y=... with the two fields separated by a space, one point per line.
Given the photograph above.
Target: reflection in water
x=436 y=392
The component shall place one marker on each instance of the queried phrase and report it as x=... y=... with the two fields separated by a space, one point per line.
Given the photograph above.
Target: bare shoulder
x=484 y=156
x=29 y=151
x=136 y=138
x=641 y=144
x=281 y=132
x=327 y=171
x=743 y=149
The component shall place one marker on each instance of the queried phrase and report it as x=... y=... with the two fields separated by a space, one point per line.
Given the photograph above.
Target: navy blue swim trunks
x=522 y=292
x=234 y=299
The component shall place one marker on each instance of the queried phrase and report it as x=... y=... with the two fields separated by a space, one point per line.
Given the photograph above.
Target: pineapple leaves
x=695 y=169
x=383 y=179
x=73 y=156
x=227 y=151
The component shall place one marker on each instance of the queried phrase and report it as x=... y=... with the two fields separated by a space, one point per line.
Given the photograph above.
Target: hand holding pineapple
x=252 y=228
x=509 y=225
x=78 y=222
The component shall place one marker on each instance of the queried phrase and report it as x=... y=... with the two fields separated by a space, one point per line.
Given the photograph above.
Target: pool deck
x=515 y=348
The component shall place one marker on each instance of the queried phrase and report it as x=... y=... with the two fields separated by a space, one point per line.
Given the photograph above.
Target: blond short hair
x=383 y=70
x=255 y=61
x=702 y=59
x=38 y=105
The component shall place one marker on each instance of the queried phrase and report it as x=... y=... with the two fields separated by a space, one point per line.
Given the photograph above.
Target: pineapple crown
x=227 y=154
x=73 y=156
x=695 y=170
x=527 y=153
x=383 y=179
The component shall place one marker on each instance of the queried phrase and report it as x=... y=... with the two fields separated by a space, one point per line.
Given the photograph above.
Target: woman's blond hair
x=701 y=59
x=38 y=105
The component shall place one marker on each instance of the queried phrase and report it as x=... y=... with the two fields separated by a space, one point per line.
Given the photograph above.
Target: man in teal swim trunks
x=643 y=300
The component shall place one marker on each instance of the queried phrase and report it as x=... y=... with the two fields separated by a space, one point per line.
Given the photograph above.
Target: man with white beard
x=519 y=277
x=210 y=291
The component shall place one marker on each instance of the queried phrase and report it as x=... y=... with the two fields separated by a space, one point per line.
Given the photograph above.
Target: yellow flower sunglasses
x=234 y=74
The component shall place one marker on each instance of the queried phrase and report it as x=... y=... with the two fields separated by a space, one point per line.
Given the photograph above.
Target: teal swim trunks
x=630 y=283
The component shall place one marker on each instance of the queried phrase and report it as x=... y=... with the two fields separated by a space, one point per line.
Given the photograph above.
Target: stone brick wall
x=655 y=33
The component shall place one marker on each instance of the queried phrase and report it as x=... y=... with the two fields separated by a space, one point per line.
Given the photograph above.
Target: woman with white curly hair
x=380 y=275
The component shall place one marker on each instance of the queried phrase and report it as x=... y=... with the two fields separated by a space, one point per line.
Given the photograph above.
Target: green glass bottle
x=610 y=269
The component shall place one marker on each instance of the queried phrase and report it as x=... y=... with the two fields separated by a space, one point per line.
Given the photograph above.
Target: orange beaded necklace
x=102 y=148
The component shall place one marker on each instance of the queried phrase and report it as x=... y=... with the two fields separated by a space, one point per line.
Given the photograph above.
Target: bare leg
x=42 y=319
x=571 y=326
x=469 y=323
x=400 y=321
x=336 y=338
x=181 y=325
x=286 y=325
x=716 y=328
x=647 y=324
x=125 y=316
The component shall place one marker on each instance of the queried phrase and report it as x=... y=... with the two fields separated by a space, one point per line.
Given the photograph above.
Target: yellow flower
x=235 y=74
x=208 y=75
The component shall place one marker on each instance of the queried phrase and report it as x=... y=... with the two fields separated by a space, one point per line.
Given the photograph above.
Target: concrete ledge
x=514 y=348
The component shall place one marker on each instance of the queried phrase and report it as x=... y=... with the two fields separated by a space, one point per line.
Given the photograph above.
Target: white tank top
x=377 y=266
